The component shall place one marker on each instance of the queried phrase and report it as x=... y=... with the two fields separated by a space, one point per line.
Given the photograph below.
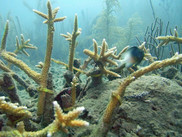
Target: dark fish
x=132 y=57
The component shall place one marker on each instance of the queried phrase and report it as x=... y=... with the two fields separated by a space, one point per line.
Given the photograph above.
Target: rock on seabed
x=152 y=106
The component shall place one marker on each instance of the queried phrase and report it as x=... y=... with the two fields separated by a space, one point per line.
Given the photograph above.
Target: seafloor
x=152 y=105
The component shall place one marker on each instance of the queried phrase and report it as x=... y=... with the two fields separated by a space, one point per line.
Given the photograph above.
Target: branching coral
x=50 y=19
x=26 y=85
x=71 y=38
x=102 y=59
x=120 y=53
x=39 y=78
x=8 y=87
x=13 y=112
x=66 y=65
x=61 y=122
x=117 y=96
x=167 y=39
x=4 y=67
x=24 y=45
x=74 y=83
x=20 y=48
x=10 y=57
x=147 y=54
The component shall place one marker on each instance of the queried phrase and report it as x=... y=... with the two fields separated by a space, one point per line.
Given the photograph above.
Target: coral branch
x=61 y=122
x=120 y=54
x=103 y=58
x=24 y=45
x=66 y=65
x=72 y=43
x=167 y=39
x=34 y=75
x=40 y=14
x=4 y=67
x=147 y=54
x=73 y=90
x=3 y=41
x=50 y=33
x=13 y=112
x=114 y=102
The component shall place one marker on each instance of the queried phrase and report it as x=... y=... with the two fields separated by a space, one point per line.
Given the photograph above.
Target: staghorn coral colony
x=57 y=112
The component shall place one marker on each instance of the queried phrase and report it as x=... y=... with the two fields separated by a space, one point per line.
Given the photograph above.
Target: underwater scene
x=90 y=68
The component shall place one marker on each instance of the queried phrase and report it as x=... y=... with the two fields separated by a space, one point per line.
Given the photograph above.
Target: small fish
x=132 y=57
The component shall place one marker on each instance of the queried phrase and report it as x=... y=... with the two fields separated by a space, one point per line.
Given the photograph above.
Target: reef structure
x=16 y=113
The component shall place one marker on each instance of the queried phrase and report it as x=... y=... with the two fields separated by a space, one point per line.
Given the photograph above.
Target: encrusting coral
x=61 y=122
x=103 y=58
x=117 y=96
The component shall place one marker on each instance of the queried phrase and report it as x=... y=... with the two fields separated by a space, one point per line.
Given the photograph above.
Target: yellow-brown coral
x=13 y=112
x=24 y=45
x=147 y=54
x=39 y=78
x=102 y=58
x=117 y=96
x=167 y=39
x=73 y=89
x=50 y=19
x=72 y=43
x=61 y=122
x=10 y=57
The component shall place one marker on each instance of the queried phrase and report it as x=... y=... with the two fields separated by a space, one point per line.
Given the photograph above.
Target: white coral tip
x=86 y=124
x=80 y=109
x=24 y=107
x=2 y=98
x=55 y=103
x=49 y=134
